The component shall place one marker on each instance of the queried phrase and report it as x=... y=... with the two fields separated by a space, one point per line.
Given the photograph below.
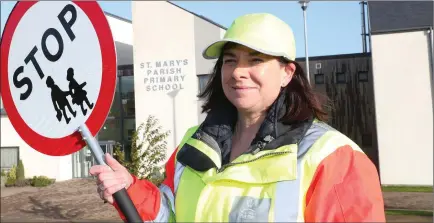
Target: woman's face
x=251 y=80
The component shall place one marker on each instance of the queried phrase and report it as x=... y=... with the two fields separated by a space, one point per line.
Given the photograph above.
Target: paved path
x=409 y=200
x=8 y=191
x=76 y=200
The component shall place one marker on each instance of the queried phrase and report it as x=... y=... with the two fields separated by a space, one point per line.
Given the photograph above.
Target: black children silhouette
x=58 y=97
x=77 y=93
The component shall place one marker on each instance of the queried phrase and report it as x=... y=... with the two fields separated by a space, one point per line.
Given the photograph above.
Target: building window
x=9 y=157
x=341 y=78
x=203 y=81
x=121 y=119
x=111 y=130
x=127 y=134
x=127 y=96
x=362 y=76
x=319 y=79
x=126 y=70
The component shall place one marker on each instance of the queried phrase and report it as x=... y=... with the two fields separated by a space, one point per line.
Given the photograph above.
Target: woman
x=263 y=153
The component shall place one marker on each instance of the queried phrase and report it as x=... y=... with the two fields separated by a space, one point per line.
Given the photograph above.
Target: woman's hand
x=111 y=178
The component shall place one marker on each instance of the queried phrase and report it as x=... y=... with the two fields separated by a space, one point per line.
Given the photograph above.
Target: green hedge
x=42 y=181
x=23 y=182
x=15 y=178
x=20 y=171
x=37 y=181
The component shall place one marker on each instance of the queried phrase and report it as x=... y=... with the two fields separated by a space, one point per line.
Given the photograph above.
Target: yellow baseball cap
x=262 y=32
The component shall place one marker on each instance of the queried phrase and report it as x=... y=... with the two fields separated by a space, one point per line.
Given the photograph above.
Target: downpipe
x=431 y=43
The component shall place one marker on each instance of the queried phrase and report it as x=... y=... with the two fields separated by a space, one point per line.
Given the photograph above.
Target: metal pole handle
x=121 y=197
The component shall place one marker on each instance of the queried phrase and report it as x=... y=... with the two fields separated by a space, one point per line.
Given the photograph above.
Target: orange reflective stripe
x=345 y=188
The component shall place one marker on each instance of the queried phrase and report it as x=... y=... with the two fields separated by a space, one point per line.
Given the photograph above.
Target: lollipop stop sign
x=58 y=78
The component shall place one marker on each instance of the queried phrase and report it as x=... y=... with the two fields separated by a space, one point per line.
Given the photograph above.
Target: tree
x=148 y=150
x=20 y=171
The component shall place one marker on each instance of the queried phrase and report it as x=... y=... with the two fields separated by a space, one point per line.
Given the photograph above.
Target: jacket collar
x=217 y=129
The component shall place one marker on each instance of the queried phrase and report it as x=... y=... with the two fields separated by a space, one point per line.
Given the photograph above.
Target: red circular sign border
x=74 y=142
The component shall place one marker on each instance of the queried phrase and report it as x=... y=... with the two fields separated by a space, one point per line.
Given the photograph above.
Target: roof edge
x=200 y=16
x=117 y=17
x=390 y=31
x=335 y=56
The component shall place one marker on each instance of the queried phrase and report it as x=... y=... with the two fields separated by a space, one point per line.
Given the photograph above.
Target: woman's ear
x=287 y=74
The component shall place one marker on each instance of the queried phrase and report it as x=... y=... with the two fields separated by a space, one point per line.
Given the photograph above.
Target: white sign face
x=55 y=76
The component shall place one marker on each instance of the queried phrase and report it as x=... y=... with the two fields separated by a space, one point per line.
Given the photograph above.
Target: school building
x=383 y=97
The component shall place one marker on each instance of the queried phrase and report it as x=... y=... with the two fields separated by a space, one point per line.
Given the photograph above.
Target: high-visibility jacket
x=307 y=172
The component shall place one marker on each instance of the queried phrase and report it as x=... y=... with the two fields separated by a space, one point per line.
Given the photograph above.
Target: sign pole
x=304 y=7
x=122 y=198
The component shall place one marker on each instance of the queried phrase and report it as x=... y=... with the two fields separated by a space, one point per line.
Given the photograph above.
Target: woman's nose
x=240 y=72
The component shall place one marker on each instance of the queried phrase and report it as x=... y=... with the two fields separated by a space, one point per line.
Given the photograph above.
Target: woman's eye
x=257 y=60
x=229 y=61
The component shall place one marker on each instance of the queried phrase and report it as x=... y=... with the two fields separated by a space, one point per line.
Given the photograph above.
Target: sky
x=333 y=27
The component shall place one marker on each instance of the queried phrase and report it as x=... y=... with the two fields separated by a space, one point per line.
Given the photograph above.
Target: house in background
x=402 y=65
x=346 y=80
x=383 y=99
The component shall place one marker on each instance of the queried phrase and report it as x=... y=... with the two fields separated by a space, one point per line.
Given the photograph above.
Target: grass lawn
x=409 y=212
x=425 y=189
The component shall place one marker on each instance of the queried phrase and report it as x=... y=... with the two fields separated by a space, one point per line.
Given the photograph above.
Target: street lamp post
x=304 y=7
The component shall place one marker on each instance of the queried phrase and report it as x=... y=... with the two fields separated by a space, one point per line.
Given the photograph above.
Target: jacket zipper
x=221 y=169
x=260 y=145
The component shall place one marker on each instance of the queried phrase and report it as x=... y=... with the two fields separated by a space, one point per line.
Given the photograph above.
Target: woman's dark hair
x=302 y=102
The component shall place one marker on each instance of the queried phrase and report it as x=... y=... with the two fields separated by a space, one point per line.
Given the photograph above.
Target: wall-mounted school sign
x=58 y=71
x=164 y=75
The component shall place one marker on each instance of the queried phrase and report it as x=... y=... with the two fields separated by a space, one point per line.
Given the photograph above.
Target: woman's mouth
x=242 y=88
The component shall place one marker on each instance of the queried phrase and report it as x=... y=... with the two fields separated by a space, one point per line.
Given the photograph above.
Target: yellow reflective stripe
x=186 y=203
x=179 y=168
x=323 y=147
x=187 y=136
x=205 y=149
